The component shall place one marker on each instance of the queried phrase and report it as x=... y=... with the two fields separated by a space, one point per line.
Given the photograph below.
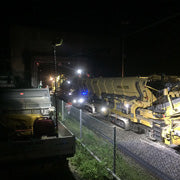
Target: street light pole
x=55 y=66
x=55 y=69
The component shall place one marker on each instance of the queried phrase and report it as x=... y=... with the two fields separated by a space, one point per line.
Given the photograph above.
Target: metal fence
x=106 y=142
x=91 y=132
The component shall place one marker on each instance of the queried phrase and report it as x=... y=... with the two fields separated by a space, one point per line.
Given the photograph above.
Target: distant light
x=69 y=82
x=58 y=77
x=51 y=78
x=103 y=109
x=127 y=105
x=84 y=93
x=60 y=43
x=79 y=71
x=74 y=101
x=21 y=93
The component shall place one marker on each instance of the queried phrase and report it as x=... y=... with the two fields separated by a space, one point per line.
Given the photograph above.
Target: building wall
x=25 y=44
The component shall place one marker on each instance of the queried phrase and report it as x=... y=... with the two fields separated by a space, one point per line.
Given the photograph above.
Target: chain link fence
x=91 y=133
x=108 y=143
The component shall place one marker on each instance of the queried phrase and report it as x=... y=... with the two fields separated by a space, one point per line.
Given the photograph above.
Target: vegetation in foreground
x=89 y=168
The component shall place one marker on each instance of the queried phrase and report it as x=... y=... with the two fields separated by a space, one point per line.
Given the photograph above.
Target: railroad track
x=159 y=159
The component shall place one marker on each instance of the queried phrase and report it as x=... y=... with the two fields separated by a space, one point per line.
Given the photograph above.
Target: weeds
x=90 y=168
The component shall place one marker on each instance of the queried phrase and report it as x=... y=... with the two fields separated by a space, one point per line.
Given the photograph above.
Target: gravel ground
x=157 y=157
x=165 y=160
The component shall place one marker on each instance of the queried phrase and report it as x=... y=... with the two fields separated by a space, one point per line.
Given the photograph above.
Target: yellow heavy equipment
x=143 y=104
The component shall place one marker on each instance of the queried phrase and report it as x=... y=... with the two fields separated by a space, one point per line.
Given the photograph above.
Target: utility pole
x=55 y=76
x=123 y=57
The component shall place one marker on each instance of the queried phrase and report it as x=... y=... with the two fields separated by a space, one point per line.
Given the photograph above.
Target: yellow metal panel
x=175 y=140
x=95 y=86
x=102 y=86
x=126 y=86
x=109 y=85
x=20 y=123
x=146 y=123
x=166 y=141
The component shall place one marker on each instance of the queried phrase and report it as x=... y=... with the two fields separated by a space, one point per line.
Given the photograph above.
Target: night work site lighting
x=68 y=82
x=79 y=71
x=103 y=109
x=57 y=78
x=59 y=44
x=51 y=78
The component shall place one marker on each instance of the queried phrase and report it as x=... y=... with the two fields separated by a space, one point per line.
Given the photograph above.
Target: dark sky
x=150 y=29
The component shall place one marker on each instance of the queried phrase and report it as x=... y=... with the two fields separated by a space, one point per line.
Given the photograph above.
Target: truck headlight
x=74 y=101
x=103 y=109
x=81 y=100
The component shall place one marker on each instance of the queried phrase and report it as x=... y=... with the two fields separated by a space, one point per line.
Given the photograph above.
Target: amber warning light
x=21 y=93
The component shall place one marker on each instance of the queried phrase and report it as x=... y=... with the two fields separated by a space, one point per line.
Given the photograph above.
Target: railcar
x=149 y=105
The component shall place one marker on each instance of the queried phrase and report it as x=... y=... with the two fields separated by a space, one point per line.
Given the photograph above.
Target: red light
x=21 y=94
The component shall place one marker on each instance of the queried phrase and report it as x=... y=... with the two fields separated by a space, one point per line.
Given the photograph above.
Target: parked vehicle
x=28 y=128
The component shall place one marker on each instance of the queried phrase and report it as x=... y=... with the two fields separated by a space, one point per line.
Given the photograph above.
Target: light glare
x=81 y=100
x=103 y=109
x=79 y=71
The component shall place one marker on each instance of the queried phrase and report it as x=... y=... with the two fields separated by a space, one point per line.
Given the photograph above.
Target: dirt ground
x=52 y=168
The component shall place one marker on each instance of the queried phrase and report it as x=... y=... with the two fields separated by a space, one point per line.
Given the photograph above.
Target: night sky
x=150 y=30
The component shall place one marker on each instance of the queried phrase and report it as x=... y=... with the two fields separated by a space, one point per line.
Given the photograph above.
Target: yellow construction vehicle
x=59 y=80
x=142 y=104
